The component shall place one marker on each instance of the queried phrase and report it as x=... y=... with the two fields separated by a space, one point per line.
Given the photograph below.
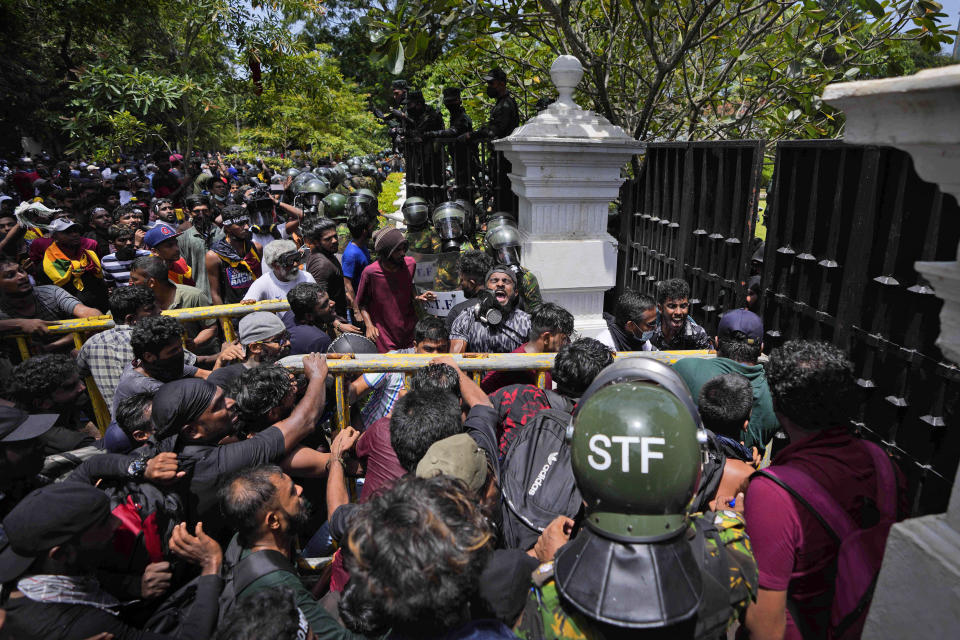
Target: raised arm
x=303 y=418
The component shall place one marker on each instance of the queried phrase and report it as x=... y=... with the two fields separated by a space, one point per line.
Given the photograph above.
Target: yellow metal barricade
x=82 y=328
x=225 y=313
x=476 y=364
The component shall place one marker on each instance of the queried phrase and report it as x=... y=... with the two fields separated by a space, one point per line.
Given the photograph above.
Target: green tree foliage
x=312 y=106
x=101 y=76
x=679 y=69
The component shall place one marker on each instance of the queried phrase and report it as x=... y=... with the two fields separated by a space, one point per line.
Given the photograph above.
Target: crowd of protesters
x=713 y=496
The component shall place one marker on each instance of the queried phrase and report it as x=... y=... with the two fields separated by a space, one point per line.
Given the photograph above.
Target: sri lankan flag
x=62 y=269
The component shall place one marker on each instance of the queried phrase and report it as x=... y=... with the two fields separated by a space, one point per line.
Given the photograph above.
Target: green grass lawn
x=761 y=231
x=389 y=193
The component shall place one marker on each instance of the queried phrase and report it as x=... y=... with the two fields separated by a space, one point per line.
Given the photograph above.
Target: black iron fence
x=845 y=225
x=691 y=214
x=442 y=169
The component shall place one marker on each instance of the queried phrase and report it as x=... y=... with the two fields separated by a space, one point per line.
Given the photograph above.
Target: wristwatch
x=137 y=468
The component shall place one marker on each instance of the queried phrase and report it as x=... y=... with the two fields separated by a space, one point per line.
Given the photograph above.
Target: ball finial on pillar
x=566 y=72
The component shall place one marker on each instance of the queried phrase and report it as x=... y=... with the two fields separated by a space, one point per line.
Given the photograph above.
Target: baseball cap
x=45 y=518
x=457 y=456
x=17 y=425
x=159 y=233
x=741 y=324
x=260 y=325
x=62 y=224
x=495 y=74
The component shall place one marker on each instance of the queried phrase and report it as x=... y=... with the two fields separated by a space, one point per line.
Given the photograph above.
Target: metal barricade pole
x=475 y=364
x=77 y=327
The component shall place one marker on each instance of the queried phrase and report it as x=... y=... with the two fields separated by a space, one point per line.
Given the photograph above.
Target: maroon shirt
x=382 y=471
x=388 y=298
x=791 y=547
x=39 y=247
x=380 y=460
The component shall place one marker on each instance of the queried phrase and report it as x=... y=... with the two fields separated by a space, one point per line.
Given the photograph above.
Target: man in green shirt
x=267 y=510
x=739 y=342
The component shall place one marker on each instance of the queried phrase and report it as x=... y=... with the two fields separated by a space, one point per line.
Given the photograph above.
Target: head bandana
x=180 y=402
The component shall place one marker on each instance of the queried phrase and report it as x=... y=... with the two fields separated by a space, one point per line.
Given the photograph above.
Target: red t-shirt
x=381 y=463
x=388 y=298
x=499 y=379
x=515 y=406
x=791 y=547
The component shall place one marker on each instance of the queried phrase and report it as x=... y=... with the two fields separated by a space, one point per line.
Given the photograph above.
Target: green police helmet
x=366 y=199
x=301 y=179
x=416 y=212
x=316 y=185
x=333 y=205
x=292 y=172
x=637 y=451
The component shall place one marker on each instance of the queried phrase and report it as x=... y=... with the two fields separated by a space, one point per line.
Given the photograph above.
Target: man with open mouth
x=495 y=324
x=675 y=329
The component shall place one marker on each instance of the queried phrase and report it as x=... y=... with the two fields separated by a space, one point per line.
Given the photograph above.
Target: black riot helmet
x=353 y=343
x=365 y=200
x=309 y=196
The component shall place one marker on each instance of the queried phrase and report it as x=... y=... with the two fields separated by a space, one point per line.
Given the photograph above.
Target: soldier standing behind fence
x=424 y=168
x=504 y=118
x=459 y=151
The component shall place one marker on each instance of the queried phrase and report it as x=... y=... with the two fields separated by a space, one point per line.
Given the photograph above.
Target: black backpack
x=237 y=575
x=147 y=517
x=536 y=479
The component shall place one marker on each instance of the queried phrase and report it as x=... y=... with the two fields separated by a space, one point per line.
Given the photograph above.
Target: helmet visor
x=449 y=227
x=507 y=255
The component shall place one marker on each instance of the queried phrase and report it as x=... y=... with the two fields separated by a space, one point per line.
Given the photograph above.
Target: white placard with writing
x=426 y=271
x=444 y=302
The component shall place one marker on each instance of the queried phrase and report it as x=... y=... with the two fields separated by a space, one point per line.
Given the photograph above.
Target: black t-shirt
x=225 y=375
x=60 y=439
x=207 y=465
x=328 y=273
x=481 y=425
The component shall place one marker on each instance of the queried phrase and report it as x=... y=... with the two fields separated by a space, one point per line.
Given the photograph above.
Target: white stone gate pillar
x=566 y=171
x=918 y=592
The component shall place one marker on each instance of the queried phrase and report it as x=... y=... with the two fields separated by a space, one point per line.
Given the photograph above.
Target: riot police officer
x=334 y=207
x=641 y=561
x=450 y=239
x=420 y=233
x=309 y=195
